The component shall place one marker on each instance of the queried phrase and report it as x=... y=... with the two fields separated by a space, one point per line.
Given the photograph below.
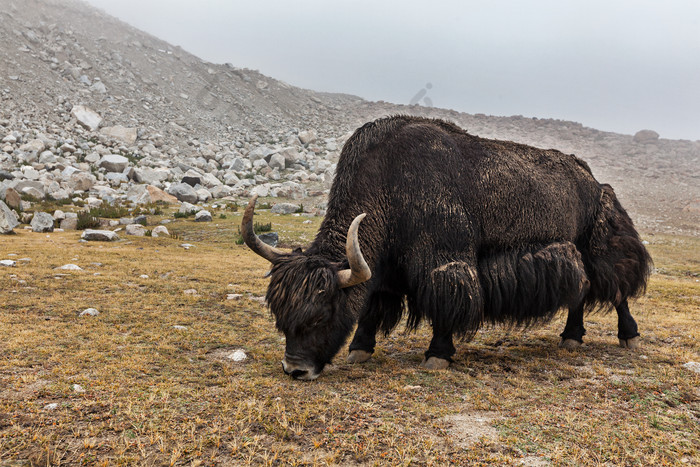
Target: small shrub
x=87 y=221
x=109 y=212
x=300 y=209
x=182 y=215
x=222 y=216
x=259 y=228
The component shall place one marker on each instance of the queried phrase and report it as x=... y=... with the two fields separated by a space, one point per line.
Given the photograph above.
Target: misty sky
x=610 y=64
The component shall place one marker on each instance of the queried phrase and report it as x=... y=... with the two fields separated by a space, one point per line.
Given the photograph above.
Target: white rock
x=70 y=267
x=86 y=117
x=160 y=230
x=78 y=388
x=143 y=276
x=692 y=366
x=89 y=312
x=8 y=263
x=190 y=292
x=238 y=355
x=179 y=327
x=137 y=230
x=8 y=220
x=42 y=222
x=234 y=296
x=203 y=216
x=114 y=163
x=51 y=406
x=99 y=235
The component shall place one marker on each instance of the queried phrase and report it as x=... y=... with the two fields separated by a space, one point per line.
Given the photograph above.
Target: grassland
x=155 y=386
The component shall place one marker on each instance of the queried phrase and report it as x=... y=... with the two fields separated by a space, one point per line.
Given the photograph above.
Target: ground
x=150 y=393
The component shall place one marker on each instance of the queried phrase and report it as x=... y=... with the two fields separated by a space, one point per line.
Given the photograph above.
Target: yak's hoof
x=358 y=356
x=570 y=344
x=435 y=363
x=631 y=343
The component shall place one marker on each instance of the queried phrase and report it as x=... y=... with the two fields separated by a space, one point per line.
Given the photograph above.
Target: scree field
x=150 y=380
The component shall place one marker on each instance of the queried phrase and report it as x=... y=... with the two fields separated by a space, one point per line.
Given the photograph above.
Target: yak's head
x=306 y=297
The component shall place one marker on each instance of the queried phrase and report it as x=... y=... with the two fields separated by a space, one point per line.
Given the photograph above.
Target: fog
x=619 y=66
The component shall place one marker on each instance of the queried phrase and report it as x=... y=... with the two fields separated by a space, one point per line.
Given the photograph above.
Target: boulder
x=203 y=216
x=12 y=198
x=35 y=145
x=645 y=137
x=99 y=236
x=114 y=163
x=277 y=161
x=183 y=192
x=151 y=176
x=186 y=207
x=42 y=222
x=86 y=117
x=121 y=133
x=160 y=231
x=192 y=178
x=69 y=223
x=137 y=230
x=285 y=208
x=271 y=238
x=307 y=137
x=8 y=220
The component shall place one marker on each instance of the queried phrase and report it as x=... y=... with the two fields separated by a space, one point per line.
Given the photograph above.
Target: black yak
x=459 y=230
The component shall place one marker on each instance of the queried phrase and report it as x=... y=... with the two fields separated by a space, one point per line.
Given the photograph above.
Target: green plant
x=222 y=216
x=87 y=221
x=109 y=211
x=182 y=215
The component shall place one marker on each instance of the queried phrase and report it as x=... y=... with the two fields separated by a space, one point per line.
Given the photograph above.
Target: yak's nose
x=299 y=374
x=303 y=372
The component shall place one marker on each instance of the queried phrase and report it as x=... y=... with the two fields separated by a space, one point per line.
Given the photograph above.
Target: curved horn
x=359 y=271
x=254 y=243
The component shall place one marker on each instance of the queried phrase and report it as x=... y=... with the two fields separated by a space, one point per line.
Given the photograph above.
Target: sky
x=614 y=65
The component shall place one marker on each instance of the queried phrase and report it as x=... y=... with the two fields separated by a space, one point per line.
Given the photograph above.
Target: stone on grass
x=160 y=230
x=692 y=366
x=186 y=207
x=42 y=222
x=70 y=267
x=69 y=223
x=203 y=216
x=8 y=220
x=99 y=236
x=183 y=192
x=237 y=355
x=285 y=208
x=89 y=312
x=8 y=263
x=271 y=238
x=137 y=230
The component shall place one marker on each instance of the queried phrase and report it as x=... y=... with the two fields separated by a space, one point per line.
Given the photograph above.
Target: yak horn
x=268 y=252
x=359 y=271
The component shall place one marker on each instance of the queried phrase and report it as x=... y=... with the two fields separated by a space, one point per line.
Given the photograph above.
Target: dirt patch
x=468 y=428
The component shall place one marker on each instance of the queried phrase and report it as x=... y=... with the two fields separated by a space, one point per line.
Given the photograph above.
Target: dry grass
x=158 y=395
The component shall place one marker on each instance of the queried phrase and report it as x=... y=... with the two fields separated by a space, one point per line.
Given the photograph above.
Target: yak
x=427 y=221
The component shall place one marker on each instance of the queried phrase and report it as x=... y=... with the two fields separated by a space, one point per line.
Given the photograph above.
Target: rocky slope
x=162 y=116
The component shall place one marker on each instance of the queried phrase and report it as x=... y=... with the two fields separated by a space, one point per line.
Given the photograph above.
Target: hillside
x=226 y=123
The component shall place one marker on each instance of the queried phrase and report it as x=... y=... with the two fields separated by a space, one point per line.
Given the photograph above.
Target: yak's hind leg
x=383 y=309
x=450 y=298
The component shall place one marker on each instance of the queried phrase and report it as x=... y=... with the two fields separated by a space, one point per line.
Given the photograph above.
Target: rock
x=59 y=215
x=70 y=267
x=307 y=137
x=151 y=176
x=234 y=296
x=692 y=366
x=89 y=312
x=183 y=192
x=51 y=406
x=82 y=181
x=98 y=86
x=8 y=220
x=285 y=208
x=42 y=222
x=114 y=163
x=137 y=230
x=99 y=236
x=277 y=161
x=237 y=355
x=646 y=136
x=86 y=117
x=35 y=145
x=192 y=178
x=186 y=208
x=221 y=191
x=12 y=198
x=141 y=219
x=203 y=216
x=8 y=263
x=160 y=231
x=69 y=223
x=121 y=133
x=271 y=238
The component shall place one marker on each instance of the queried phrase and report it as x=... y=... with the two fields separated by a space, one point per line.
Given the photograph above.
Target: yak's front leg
x=572 y=336
x=440 y=352
x=383 y=307
x=627 y=331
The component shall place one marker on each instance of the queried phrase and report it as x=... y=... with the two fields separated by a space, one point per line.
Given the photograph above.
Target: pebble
x=190 y=292
x=78 y=388
x=52 y=406
x=179 y=327
x=233 y=296
x=8 y=263
x=238 y=355
x=89 y=312
x=143 y=276
x=692 y=366
x=70 y=267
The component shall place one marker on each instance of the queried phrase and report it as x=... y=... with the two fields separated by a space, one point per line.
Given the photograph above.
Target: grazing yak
x=428 y=221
